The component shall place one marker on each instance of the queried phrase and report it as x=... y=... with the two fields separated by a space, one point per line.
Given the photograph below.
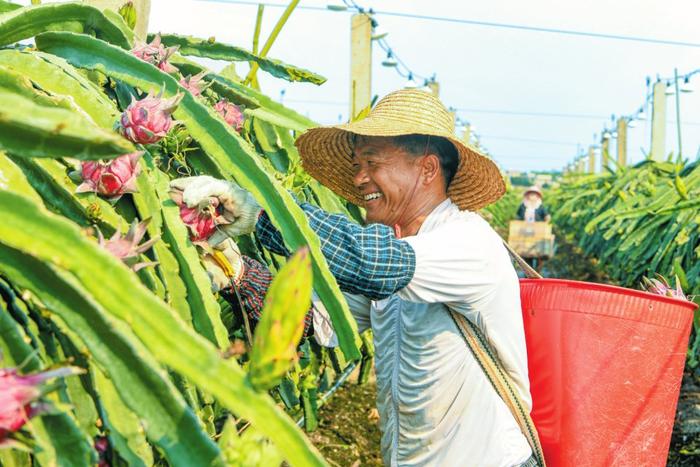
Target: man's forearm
x=369 y=261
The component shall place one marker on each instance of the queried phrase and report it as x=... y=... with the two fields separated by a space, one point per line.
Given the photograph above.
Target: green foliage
x=638 y=221
x=209 y=48
x=162 y=382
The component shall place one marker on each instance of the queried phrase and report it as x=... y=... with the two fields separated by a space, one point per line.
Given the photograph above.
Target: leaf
x=229 y=151
x=26 y=22
x=207 y=48
x=51 y=239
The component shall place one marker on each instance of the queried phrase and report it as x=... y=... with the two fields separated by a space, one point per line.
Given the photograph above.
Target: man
x=531 y=208
x=421 y=254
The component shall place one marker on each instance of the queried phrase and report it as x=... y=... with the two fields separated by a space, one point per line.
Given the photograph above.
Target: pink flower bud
x=113 y=178
x=148 y=120
x=194 y=84
x=231 y=113
x=127 y=248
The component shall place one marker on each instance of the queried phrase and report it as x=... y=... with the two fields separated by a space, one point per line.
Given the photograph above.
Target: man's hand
x=224 y=265
x=239 y=208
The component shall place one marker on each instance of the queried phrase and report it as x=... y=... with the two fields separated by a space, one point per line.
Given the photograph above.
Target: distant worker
x=532 y=209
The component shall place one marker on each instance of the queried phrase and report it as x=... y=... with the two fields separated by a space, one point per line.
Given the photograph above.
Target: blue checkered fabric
x=369 y=260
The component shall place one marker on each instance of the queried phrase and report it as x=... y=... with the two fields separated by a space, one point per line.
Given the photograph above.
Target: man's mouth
x=372 y=196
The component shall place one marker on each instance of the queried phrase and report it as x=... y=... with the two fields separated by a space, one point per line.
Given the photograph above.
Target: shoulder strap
x=501 y=381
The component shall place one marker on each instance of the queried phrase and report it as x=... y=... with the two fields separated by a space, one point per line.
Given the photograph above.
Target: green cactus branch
x=216 y=50
x=228 y=150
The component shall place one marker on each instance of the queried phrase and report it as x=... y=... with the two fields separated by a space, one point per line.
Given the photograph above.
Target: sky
x=535 y=98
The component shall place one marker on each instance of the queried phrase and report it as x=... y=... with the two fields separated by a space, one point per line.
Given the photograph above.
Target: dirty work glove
x=224 y=265
x=238 y=207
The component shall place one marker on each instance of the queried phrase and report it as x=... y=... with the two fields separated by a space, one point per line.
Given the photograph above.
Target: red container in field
x=605 y=367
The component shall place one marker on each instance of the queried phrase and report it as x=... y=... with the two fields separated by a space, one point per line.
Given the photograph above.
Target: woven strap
x=501 y=381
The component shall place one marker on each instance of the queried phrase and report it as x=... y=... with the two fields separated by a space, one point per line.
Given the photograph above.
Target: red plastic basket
x=605 y=367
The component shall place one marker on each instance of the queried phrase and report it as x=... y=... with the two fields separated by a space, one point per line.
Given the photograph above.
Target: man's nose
x=360 y=178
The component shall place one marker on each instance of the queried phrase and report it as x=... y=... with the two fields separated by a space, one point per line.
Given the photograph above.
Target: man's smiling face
x=386 y=177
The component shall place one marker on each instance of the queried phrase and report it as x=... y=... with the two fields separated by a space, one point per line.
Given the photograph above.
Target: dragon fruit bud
x=19 y=394
x=231 y=113
x=194 y=84
x=148 y=120
x=155 y=53
x=127 y=247
x=112 y=178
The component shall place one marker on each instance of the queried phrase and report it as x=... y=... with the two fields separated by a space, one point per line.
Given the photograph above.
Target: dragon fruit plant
x=154 y=343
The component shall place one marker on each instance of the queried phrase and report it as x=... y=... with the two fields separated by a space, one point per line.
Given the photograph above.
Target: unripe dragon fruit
x=148 y=120
x=113 y=178
x=127 y=248
x=155 y=53
x=231 y=113
x=194 y=84
x=18 y=397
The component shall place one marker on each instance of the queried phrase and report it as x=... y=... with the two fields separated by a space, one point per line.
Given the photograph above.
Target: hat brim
x=326 y=154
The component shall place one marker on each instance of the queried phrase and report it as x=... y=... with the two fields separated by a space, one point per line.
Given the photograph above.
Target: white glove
x=224 y=264
x=240 y=209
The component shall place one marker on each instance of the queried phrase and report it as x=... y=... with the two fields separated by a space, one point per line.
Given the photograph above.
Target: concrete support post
x=360 y=63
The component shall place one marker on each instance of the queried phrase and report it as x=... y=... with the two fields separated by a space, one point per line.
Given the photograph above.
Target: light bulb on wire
x=410 y=83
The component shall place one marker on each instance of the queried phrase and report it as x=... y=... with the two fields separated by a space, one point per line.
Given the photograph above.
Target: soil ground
x=348 y=434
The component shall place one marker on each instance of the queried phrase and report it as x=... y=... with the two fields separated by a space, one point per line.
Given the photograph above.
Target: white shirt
x=436 y=406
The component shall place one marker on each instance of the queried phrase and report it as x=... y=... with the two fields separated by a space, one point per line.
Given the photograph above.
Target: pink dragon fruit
x=661 y=286
x=194 y=84
x=127 y=248
x=112 y=178
x=231 y=113
x=148 y=120
x=18 y=397
x=201 y=221
x=155 y=53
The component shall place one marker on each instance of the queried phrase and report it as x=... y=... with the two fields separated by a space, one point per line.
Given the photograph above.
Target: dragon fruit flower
x=112 y=178
x=127 y=248
x=19 y=395
x=194 y=83
x=231 y=113
x=661 y=286
x=155 y=53
x=148 y=120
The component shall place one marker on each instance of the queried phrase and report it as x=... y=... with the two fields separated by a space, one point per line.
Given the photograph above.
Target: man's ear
x=431 y=168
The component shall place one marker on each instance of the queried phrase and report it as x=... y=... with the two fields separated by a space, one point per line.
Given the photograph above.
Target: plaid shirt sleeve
x=369 y=260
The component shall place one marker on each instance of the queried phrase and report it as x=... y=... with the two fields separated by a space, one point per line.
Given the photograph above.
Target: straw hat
x=533 y=189
x=326 y=152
